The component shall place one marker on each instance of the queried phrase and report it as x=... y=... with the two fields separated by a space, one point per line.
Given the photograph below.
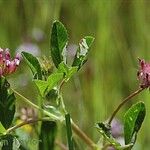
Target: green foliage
x=132 y=123
x=46 y=86
x=82 y=51
x=34 y=65
x=68 y=71
x=7 y=103
x=2 y=129
x=47 y=135
x=120 y=38
x=42 y=86
x=104 y=130
x=59 y=40
x=133 y=120
x=69 y=132
x=53 y=79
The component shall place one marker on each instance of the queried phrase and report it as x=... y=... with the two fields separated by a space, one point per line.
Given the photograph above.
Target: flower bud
x=7 y=54
x=7 y=65
x=12 y=67
x=144 y=74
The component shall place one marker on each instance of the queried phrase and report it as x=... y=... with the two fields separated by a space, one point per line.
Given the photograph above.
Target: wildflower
x=8 y=66
x=144 y=74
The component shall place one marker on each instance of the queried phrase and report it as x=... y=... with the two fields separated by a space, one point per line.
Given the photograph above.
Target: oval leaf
x=132 y=121
x=52 y=80
x=7 y=104
x=59 y=39
x=2 y=129
x=82 y=51
x=34 y=65
x=46 y=86
x=42 y=86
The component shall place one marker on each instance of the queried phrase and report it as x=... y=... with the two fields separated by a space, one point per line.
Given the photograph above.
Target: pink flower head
x=8 y=66
x=144 y=74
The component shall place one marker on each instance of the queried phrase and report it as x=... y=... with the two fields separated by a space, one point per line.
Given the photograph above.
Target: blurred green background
x=122 y=34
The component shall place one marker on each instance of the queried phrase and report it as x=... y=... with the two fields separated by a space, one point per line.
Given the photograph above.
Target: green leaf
x=2 y=129
x=69 y=132
x=42 y=86
x=132 y=121
x=82 y=51
x=34 y=65
x=104 y=130
x=7 y=103
x=59 y=40
x=63 y=68
x=71 y=72
x=53 y=79
x=46 y=86
x=47 y=135
x=68 y=71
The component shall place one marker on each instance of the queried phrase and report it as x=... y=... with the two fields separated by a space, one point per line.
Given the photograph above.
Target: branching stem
x=75 y=128
x=123 y=102
x=52 y=116
x=83 y=136
x=29 y=121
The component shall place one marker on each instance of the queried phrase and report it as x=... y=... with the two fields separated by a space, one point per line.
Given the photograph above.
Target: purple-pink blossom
x=144 y=73
x=7 y=65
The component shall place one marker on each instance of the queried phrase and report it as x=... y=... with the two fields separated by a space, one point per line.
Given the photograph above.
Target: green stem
x=54 y=117
x=60 y=96
x=123 y=102
x=29 y=121
x=61 y=145
x=61 y=85
x=75 y=128
x=83 y=136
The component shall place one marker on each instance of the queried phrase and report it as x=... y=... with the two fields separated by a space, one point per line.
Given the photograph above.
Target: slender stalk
x=61 y=145
x=83 y=136
x=60 y=95
x=29 y=121
x=75 y=128
x=123 y=102
x=61 y=85
x=54 y=117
